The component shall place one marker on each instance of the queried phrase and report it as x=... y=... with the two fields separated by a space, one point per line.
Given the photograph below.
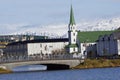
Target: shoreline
x=95 y=67
x=98 y=63
x=4 y=71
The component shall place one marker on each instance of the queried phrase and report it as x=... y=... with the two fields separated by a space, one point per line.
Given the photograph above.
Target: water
x=29 y=68
x=85 y=74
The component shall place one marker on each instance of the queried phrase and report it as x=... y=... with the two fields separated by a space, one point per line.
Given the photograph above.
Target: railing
x=6 y=59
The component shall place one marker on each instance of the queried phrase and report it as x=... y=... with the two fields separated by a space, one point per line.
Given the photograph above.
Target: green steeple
x=72 y=20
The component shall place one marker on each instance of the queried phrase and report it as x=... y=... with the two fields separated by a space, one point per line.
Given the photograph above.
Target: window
x=51 y=46
x=17 y=46
x=73 y=34
x=73 y=49
x=41 y=45
x=74 y=40
x=46 y=48
x=41 y=52
x=73 y=28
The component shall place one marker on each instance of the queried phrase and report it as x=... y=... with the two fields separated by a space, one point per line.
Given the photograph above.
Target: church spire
x=72 y=20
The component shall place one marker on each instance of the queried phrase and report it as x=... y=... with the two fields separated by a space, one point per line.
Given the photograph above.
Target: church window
x=74 y=40
x=73 y=34
x=73 y=49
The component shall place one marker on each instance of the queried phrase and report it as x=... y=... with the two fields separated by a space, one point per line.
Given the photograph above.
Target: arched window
x=73 y=34
x=73 y=49
x=74 y=40
x=73 y=28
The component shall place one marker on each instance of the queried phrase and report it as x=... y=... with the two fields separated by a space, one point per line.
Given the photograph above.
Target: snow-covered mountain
x=61 y=30
x=103 y=24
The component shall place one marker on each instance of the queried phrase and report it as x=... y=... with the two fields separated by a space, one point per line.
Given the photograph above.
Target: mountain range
x=61 y=30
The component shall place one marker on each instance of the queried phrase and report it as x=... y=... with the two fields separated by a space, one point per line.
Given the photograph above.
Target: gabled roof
x=72 y=20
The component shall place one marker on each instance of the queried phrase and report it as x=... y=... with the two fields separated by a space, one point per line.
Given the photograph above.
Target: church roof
x=72 y=20
x=91 y=36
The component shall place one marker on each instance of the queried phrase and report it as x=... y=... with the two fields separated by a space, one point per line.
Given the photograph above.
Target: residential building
x=109 y=45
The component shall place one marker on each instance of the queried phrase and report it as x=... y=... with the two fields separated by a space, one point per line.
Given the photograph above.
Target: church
x=23 y=49
x=72 y=35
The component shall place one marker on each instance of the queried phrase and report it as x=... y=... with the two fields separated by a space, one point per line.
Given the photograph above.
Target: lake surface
x=29 y=68
x=85 y=74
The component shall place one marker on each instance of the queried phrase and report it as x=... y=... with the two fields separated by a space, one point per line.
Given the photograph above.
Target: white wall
x=73 y=49
x=118 y=44
x=45 y=48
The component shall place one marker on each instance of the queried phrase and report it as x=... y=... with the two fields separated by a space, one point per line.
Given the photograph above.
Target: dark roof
x=41 y=41
x=116 y=35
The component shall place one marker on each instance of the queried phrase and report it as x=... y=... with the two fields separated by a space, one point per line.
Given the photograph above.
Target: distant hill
x=118 y=29
x=91 y=36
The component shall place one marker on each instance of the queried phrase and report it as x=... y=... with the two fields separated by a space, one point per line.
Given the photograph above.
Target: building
x=109 y=45
x=2 y=48
x=72 y=34
x=23 y=49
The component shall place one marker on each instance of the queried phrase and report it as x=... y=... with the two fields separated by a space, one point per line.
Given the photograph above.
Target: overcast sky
x=48 y=12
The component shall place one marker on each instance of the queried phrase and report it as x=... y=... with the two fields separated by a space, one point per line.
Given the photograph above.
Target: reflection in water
x=29 y=68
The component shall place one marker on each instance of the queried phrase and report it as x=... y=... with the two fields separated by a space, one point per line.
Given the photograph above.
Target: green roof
x=73 y=45
x=72 y=20
x=91 y=36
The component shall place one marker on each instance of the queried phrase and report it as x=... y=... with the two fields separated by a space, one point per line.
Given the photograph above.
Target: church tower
x=72 y=33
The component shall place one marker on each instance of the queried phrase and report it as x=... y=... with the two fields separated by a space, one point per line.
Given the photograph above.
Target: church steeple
x=72 y=20
x=72 y=33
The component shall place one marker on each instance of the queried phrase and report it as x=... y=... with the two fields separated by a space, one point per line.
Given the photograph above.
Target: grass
x=4 y=71
x=98 y=63
x=91 y=36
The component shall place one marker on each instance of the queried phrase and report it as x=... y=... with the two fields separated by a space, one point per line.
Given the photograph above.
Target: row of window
x=45 y=46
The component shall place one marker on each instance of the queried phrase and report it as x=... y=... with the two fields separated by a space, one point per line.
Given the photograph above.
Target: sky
x=17 y=15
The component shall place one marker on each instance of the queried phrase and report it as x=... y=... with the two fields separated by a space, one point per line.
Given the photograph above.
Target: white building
x=24 y=49
x=109 y=45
